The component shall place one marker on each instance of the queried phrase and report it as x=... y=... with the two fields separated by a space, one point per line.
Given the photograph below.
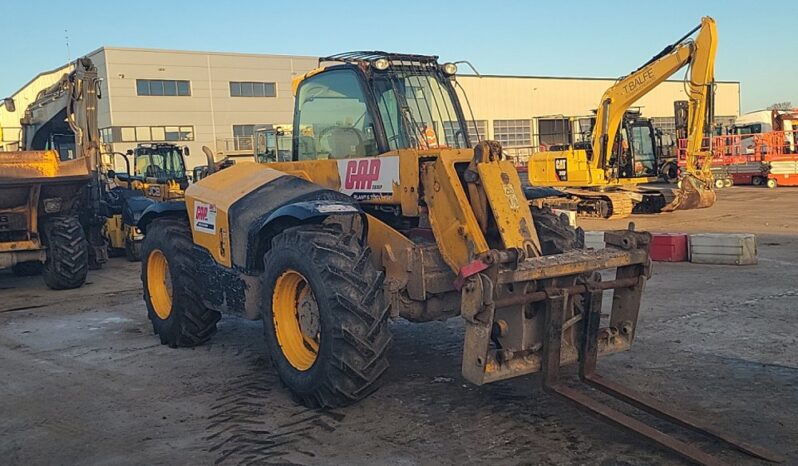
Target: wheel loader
x=50 y=220
x=385 y=211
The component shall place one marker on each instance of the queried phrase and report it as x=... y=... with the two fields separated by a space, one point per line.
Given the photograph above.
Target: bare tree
x=781 y=106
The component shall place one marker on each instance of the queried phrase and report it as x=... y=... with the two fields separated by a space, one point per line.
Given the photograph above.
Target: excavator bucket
x=693 y=194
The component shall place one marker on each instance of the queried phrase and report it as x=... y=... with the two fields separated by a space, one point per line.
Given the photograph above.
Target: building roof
x=200 y=52
x=2 y=103
x=575 y=78
x=196 y=52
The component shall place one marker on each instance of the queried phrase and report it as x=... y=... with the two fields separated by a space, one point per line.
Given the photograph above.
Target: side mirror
x=9 y=104
x=186 y=151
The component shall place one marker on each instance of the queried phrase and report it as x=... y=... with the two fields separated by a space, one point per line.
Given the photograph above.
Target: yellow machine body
x=32 y=184
x=596 y=167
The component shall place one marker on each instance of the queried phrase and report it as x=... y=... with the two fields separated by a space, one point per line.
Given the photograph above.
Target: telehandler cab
x=157 y=173
x=385 y=211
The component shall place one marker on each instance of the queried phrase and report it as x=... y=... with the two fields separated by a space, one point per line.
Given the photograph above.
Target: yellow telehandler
x=384 y=210
x=157 y=173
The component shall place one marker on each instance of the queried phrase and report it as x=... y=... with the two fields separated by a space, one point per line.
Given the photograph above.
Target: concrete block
x=723 y=248
x=594 y=240
x=570 y=213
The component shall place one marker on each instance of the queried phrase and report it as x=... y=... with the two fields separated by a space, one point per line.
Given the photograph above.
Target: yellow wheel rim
x=296 y=319
x=159 y=284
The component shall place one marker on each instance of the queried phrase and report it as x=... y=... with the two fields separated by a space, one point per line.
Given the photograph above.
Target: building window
x=143 y=133
x=242 y=136
x=106 y=136
x=252 y=89
x=147 y=134
x=158 y=133
x=162 y=87
x=477 y=131
x=513 y=133
x=128 y=134
x=665 y=124
x=554 y=131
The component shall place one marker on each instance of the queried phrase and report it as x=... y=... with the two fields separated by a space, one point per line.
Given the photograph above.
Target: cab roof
x=367 y=57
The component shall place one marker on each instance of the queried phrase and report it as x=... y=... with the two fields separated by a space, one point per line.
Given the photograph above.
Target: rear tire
x=341 y=359
x=27 y=269
x=67 y=253
x=171 y=286
x=555 y=233
x=719 y=184
x=756 y=181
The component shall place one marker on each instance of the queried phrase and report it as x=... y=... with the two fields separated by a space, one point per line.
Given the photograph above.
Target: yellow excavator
x=604 y=177
x=384 y=210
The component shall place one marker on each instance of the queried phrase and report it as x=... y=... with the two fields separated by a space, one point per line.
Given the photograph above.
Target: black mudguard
x=286 y=201
x=159 y=209
x=134 y=208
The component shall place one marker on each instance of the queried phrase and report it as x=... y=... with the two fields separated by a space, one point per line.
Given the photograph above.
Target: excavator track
x=607 y=205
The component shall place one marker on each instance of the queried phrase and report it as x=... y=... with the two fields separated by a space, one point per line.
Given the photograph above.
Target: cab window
x=333 y=118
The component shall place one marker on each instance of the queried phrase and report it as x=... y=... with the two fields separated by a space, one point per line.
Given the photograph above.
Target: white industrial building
x=216 y=99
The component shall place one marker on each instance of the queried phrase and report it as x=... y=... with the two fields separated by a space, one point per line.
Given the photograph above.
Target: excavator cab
x=636 y=155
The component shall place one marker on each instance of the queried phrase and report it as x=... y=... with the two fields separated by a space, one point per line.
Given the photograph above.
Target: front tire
x=132 y=250
x=67 y=262
x=171 y=286
x=772 y=184
x=336 y=357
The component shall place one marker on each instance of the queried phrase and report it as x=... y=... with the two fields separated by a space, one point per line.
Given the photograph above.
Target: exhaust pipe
x=210 y=158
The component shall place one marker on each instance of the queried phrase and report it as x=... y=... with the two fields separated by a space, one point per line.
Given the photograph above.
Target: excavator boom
x=605 y=176
x=699 y=54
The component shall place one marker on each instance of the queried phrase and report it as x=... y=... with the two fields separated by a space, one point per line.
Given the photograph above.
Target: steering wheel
x=154 y=171
x=332 y=130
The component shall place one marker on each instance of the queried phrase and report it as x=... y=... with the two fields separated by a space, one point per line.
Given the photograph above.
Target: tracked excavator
x=384 y=210
x=605 y=177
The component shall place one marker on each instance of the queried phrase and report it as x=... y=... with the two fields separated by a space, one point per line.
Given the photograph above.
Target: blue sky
x=561 y=38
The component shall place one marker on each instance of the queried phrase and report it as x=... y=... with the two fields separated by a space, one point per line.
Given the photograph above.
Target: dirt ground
x=84 y=381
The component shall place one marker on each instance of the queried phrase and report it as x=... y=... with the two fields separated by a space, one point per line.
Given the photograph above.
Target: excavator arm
x=699 y=53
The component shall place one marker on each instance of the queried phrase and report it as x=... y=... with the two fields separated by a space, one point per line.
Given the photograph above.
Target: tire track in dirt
x=243 y=426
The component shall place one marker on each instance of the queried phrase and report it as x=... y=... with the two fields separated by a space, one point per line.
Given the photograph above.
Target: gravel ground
x=84 y=381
